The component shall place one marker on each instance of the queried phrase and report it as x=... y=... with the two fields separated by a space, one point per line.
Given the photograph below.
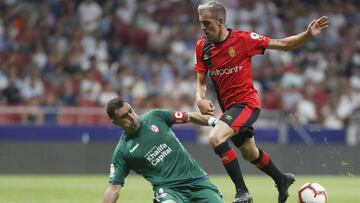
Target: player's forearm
x=110 y=198
x=200 y=87
x=289 y=43
x=200 y=92
x=198 y=118
x=111 y=195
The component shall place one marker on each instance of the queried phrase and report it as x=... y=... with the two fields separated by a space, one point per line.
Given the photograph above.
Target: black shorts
x=241 y=117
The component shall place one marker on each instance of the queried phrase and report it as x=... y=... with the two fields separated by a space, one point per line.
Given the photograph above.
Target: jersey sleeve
x=118 y=168
x=199 y=65
x=171 y=117
x=255 y=43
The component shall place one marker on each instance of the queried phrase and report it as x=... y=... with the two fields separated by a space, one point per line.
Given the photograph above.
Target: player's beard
x=212 y=36
x=209 y=37
x=131 y=128
x=134 y=125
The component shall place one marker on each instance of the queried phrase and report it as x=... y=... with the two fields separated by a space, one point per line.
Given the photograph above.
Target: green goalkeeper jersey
x=155 y=152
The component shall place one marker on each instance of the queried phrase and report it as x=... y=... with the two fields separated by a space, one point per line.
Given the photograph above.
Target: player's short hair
x=114 y=104
x=216 y=9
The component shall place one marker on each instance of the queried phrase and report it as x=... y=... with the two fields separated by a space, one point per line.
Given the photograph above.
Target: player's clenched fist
x=206 y=106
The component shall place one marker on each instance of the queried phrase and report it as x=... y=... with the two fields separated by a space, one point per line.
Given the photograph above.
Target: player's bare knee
x=216 y=139
x=219 y=134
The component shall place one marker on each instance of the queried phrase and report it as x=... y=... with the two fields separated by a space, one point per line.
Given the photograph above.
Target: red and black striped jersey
x=229 y=66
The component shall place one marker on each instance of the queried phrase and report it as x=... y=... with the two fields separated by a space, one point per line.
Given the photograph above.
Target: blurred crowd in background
x=64 y=53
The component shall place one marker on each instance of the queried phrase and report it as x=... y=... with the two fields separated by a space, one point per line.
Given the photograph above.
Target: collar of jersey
x=227 y=37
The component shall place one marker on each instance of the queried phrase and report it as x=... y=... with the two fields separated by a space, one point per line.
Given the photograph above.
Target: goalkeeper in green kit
x=149 y=147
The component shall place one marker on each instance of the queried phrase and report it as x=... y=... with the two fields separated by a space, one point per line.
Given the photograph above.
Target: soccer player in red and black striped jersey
x=226 y=55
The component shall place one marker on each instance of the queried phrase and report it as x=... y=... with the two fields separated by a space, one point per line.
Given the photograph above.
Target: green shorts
x=200 y=192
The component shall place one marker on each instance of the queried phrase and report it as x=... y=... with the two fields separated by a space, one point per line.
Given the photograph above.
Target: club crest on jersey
x=154 y=128
x=231 y=51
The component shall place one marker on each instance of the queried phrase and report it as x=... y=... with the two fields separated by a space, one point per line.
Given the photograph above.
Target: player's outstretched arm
x=200 y=119
x=111 y=194
x=289 y=43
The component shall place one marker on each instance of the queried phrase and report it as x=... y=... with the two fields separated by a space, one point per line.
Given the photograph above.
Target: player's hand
x=317 y=25
x=206 y=106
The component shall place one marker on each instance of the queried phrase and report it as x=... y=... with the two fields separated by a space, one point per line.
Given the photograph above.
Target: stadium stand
x=144 y=51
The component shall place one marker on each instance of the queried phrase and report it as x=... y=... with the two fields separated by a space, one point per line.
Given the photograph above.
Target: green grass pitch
x=90 y=188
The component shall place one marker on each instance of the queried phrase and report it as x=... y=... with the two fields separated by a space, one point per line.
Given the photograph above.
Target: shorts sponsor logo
x=154 y=128
x=228 y=117
x=157 y=154
x=162 y=194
